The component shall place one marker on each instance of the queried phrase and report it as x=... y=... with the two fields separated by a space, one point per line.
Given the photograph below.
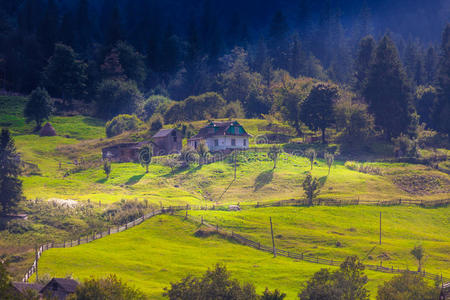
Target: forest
x=356 y=65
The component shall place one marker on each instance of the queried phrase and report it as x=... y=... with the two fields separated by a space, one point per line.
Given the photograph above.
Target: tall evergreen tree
x=278 y=40
x=364 y=59
x=388 y=91
x=441 y=114
x=114 y=27
x=48 y=28
x=296 y=57
x=83 y=26
x=431 y=63
x=10 y=184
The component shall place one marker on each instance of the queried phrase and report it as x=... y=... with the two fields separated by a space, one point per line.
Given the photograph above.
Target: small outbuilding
x=23 y=288
x=125 y=152
x=59 y=288
x=47 y=130
x=167 y=141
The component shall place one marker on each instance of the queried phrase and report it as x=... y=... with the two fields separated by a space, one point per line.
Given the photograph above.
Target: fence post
x=109 y=231
x=71 y=243
x=202 y=220
x=64 y=244
x=217 y=227
x=126 y=226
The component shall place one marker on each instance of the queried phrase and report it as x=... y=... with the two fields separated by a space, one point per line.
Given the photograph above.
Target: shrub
x=122 y=123
x=111 y=288
x=19 y=226
x=404 y=146
x=233 y=110
x=363 y=168
x=153 y=105
x=407 y=286
x=156 y=122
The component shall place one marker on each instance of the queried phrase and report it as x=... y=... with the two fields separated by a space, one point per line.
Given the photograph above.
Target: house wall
x=224 y=142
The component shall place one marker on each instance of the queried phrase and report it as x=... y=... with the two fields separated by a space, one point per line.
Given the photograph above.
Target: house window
x=216 y=143
x=245 y=142
x=233 y=142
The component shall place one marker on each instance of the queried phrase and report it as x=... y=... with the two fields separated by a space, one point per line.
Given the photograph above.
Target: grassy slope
x=164 y=249
x=316 y=230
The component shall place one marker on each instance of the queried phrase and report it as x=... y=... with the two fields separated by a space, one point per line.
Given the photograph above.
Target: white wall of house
x=218 y=143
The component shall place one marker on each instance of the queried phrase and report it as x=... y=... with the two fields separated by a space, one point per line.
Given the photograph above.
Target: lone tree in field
x=38 y=107
x=329 y=158
x=317 y=111
x=145 y=156
x=275 y=295
x=388 y=91
x=347 y=283
x=203 y=152
x=311 y=155
x=418 y=253
x=107 y=167
x=311 y=188
x=273 y=154
x=10 y=184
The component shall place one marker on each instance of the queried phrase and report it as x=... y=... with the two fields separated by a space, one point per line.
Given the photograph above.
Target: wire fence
x=306 y=257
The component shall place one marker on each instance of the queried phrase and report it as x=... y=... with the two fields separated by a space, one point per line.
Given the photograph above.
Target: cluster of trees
x=115 y=54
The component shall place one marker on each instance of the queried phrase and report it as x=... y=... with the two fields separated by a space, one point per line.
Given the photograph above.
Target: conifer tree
x=388 y=91
x=442 y=106
x=364 y=59
x=10 y=184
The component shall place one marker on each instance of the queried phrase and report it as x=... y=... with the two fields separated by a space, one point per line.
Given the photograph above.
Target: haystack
x=47 y=130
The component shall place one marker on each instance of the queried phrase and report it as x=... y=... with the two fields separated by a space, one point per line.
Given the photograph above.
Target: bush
x=363 y=168
x=122 y=123
x=111 y=288
x=233 y=110
x=117 y=97
x=404 y=146
x=156 y=122
x=19 y=226
x=153 y=105
x=407 y=286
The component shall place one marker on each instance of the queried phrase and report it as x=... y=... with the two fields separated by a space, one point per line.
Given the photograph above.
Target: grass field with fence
x=164 y=249
x=337 y=232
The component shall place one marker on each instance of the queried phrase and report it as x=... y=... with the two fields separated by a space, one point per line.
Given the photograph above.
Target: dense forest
x=354 y=65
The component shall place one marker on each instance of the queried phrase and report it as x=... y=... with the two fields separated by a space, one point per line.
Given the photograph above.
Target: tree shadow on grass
x=322 y=180
x=263 y=178
x=134 y=179
x=103 y=180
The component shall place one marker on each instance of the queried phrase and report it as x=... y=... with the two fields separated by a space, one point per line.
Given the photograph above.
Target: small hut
x=47 y=130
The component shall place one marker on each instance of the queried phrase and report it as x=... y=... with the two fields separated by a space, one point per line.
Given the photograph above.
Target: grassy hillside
x=164 y=249
x=317 y=230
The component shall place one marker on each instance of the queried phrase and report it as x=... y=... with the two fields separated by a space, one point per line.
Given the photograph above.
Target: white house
x=221 y=136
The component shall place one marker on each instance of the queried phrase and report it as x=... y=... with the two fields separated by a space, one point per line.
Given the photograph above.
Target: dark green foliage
x=214 y=284
x=10 y=184
x=347 y=283
x=424 y=101
x=122 y=123
x=273 y=154
x=317 y=110
x=117 y=97
x=311 y=187
x=275 y=295
x=355 y=122
x=204 y=106
x=404 y=146
x=156 y=122
x=154 y=104
x=65 y=76
x=407 y=286
x=363 y=62
x=203 y=152
x=39 y=107
x=388 y=91
x=108 y=288
x=132 y=62
x=441 y=110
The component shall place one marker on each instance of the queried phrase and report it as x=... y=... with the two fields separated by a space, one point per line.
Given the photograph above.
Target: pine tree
x=48 y=28
x=388 y=91
x=114 y=27
x=441 y=110
x=364 y=59
x=278 y=42
x=296 y=57
x=431 y=62
x=83 y=35
x=10 y=184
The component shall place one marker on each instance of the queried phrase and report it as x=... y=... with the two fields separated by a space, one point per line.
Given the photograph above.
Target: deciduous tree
x=38 y=107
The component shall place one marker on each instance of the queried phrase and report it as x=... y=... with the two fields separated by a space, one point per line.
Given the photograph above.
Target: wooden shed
x=167 y=141
x=59 y=288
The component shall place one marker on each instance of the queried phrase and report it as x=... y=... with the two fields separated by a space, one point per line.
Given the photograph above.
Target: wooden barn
x=167 y=141
x=59 y=288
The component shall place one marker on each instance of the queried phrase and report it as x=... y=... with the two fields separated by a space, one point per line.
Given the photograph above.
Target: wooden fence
x=307 y=257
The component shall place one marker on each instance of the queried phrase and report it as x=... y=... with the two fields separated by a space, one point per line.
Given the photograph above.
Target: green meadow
x=337 y=232
x=164 y=249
